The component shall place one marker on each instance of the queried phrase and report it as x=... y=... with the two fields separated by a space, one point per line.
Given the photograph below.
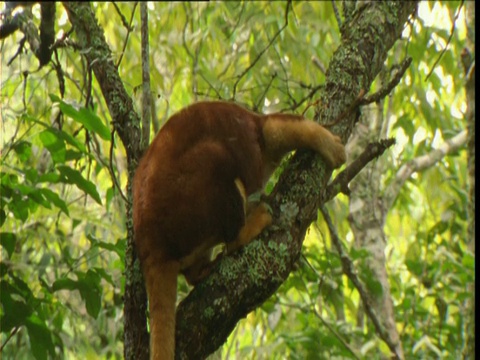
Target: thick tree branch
x=125 y=120
x=92 y=40
x=246 y=279
x=421 y=163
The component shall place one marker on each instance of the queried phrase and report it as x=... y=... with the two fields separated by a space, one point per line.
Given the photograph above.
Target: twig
x=9 y=337
x=337 y=335
x=384 y=91
x=254 y=62
x=129 y=30
x=309 y=96
x=262 y=97
x=316 y=61
x=146 y=91
x=448 y=41
x=421 y=163
x=327 y=325
x=350 y=271
x=364 y=100
x=122 y=17
x=341 y=181
x=21 y=46
x=337 y=14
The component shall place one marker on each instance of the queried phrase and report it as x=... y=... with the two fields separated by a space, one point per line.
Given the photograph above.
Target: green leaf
x=413 y=260
x=69 y=139
x=55 y=200
x=360 y=253
x=20 y=209
x=106 y=276
x=3 y=217
x=54 y=145
x=15 y=311
x=374 y=286
x=118 y=247
x=406 y=123
x=89 y=287
x=93 y=123
x=8 y=241
x=37 y=196
x=73 y=176
x=40 y=336
x=31 y=175
x=468 y=261
x=23 y=149
x=65 y=284
x=87 y=118
x=91 y=292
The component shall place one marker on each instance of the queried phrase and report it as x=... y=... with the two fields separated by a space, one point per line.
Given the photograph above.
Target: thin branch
x=337 y=14
x=384 y=91
x=217 y=93
x=341 y=181
x=337 y=335
x=60 y=75
x=452 y=30
x=297 y=104
x=316 y=61
x=21 y=46
x=9 y=337
x=423 y=162
x=261 y=98
x=122 y=17
x=350 y=271
x=10 y=23
x=237 y=23
x=194 y=56
x=146 y=91
x=129 y=28
x=254 y=62
x=47 y=32
x=327 y=325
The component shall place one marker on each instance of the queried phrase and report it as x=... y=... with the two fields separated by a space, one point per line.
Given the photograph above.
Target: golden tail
x=161 y=283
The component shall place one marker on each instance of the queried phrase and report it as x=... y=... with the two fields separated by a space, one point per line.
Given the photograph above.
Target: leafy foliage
x=62 y=219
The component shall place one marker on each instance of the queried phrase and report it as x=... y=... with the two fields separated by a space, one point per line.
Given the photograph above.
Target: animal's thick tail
x=161 y=283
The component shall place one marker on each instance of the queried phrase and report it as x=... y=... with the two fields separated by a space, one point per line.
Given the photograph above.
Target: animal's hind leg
x=199 y=269
x=257 y=220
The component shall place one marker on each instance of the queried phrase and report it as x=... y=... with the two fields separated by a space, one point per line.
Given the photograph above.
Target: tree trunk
x=367 y=218
x=126 y=124
x=468 y=61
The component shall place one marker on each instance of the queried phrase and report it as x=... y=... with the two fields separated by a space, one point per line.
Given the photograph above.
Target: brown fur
x=191 y=189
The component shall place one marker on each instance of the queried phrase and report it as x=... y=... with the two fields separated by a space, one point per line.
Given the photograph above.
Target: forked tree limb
x=244 y=280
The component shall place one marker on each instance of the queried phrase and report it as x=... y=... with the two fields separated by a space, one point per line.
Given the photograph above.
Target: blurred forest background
x=407 y=226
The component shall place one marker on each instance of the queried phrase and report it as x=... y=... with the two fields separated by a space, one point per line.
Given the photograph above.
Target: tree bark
x=367 y=218
x=126 y=123
x=468 y=60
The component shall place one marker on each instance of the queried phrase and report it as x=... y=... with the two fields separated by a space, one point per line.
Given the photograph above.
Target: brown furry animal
x=191 y=192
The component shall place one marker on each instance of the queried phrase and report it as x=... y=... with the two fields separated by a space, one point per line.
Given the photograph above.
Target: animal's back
x=184 y=191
